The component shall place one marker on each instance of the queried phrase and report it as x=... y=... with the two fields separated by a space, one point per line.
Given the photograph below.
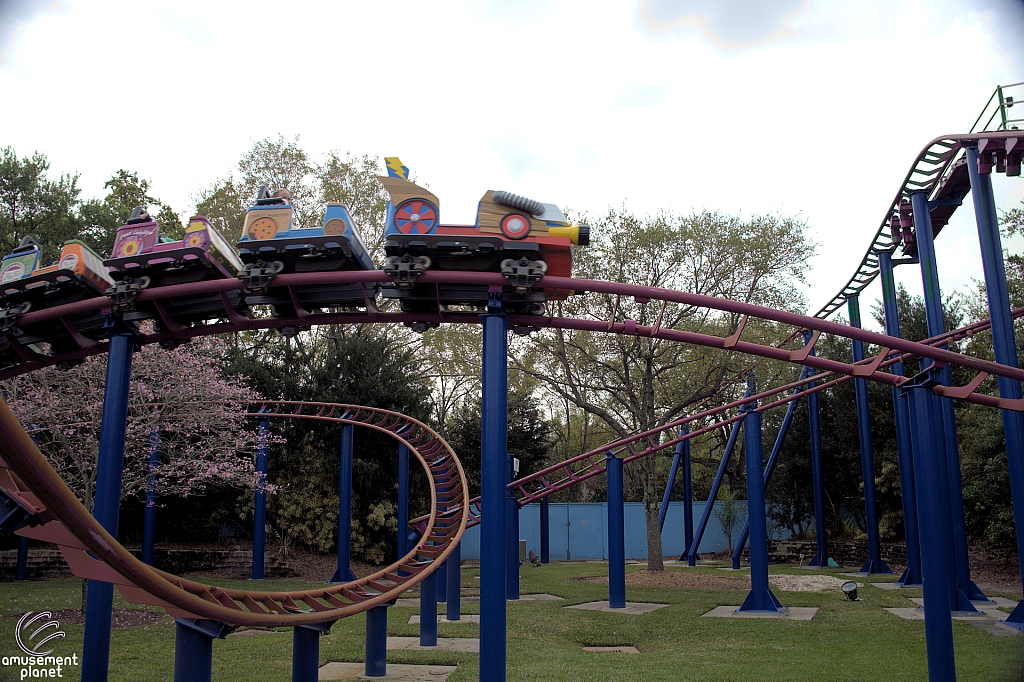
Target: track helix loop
x=55 y=515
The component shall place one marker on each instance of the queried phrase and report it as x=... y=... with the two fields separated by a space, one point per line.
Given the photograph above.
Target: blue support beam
x=403 y=499
x=616 y=535
x=149 y=513
x=376 y=642
x=428 y=610
x=912 y=574
x=1004 y=345
x=21 y=568
x=343 y=572
x=193 y=648
x=760 y=597
x=773 y=458
x=929 y=465
x=259 y=523
x=691 y=551
x=494 y=448
x=545 y=530
x=874 y=564
x=821 y=555
x=454 y=591
x=107 y=499
x=671 y=483
x=306 y=651
x=511 y=536
x=687 y=489
x=963 y=587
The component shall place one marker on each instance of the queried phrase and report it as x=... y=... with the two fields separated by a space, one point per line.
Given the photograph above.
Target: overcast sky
x=812 y=108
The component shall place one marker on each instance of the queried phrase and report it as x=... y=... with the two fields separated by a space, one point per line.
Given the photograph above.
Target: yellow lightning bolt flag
x=395 y=168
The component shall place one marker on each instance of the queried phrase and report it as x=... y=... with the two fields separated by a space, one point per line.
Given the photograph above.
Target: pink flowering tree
x=205 y=441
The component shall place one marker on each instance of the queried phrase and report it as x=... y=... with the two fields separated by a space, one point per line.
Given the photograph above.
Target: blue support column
x=691 y=551
x=687 y=489
x=912 y=575
x=454 y=590
x=193 y=648
x=760 y=597
x=616 y=535
x=441 y=583
x=545 y=530
x=306 y=651
x=874 y=563
x=376 y=642
x=791 y=410
x=933 y=526
x=494 y=446
x=821 y=555
x=21 y=568
x=344 y=573
x=671 y=483
x=259 y=522
x=403 y=499
x=428 y=610
x=1004 y=345
x=149 y=513
x=107 y=499
x=511 y=537
x=964 y=588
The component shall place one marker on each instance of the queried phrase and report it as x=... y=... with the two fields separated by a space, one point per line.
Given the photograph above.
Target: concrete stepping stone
x=613 y=649
x=790 y=613
x=464 y=618
x=395 y=671
x=632 y=608
x=466 y=645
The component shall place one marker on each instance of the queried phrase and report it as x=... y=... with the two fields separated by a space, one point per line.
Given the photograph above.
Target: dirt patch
x=807 y=583
x=121 y=618
x=677 y=579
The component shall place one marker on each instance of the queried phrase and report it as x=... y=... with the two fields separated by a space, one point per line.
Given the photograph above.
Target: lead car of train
x=520 y=238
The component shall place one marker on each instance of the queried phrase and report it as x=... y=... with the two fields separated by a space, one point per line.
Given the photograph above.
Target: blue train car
x=271 y=244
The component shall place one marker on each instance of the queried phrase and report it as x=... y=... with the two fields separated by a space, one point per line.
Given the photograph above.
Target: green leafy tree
x=31 y=204
x=634 y=383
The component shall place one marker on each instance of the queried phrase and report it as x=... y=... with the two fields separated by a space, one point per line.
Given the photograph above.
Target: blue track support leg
x=428 y=610
x=933 y=522
x=667 y=497
x=403 y=500
x=441 y=583
x=687 y=489
x=259 y=523
x=376 y=642
x=545 y=530
x=760 y=597
x=193 y=655
x=964 y=589
x=874 y=564
x=306 y=651
x=149 y=514
x=776 y=450
x=193 y=648
x=21 y=568
x=453 y=610
x=107 y=500
x=1004 y=345
x=511 y=539
x=821 y=555
x=494 y=446
x=691 y=552
x=343 y=573
x=912 y=575
x=616 y=535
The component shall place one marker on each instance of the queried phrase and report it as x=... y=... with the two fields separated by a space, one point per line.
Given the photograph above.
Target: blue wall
x=578 y=531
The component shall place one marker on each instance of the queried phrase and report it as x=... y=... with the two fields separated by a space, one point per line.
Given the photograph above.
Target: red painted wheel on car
x=415 y=216
x=515 y=226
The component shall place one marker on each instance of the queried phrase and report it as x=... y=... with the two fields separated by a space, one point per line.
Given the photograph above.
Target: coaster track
x=36 y=492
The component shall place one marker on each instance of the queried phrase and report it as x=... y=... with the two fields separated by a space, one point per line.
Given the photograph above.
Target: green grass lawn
x=845 y=641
